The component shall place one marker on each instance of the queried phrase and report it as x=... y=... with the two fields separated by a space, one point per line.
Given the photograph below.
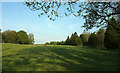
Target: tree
x=112 y=35
x=74 y=40
x=118 y=19
x=61 y=43
x=93 y=40
x=71 y=39
x=23 y=37
x=53 y=43
x=31 y=38
x=3 y=37
x=47 y=43
x=100 y=36
x=84 y=37
x=96 y=14
x=10 y=36
x=97 y=39
x=67 y=42
x=79 y=42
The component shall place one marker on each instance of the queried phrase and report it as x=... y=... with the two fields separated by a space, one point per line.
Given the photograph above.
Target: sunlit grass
x=17 y=57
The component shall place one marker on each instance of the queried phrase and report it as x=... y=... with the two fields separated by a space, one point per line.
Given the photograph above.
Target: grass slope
x=17 y=57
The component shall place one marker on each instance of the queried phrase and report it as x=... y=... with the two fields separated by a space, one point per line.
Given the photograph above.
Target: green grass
x=17 y=57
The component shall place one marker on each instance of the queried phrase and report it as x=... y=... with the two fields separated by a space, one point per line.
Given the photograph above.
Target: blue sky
x=16 y=16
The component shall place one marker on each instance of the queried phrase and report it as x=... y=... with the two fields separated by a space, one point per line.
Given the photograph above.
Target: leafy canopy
x=95 y=14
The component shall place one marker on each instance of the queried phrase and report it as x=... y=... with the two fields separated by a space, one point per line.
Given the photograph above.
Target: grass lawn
x=17 y=57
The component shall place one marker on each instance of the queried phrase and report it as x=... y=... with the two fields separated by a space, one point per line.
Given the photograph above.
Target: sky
x=16 y=16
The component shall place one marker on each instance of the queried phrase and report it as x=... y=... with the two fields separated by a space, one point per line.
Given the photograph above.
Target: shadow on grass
x=55 y=58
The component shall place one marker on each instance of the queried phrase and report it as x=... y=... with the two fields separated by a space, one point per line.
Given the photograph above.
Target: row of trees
x=20 y=37
x=96 y=14
x=112 y=35
x=108 y=38
x=55 y=43
x=74 y=40
x=85 y=39
x=96 y=39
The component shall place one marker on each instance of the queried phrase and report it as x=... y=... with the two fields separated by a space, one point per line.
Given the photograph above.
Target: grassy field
x=17 y=57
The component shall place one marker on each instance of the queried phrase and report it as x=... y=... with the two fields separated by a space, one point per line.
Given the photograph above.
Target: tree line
x=104 y=38
x=20 y=37
x=108 y=37
x=74 y=40
x=95 y=14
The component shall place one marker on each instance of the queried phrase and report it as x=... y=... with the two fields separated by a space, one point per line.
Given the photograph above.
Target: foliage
x=31 y=38
x=117 y=18
x=74 y=40
x=47 y=43
x=67 y=42
x=93 y=40
x=112 y=35
x=10 y=36
x=23 y=37
x=20 y=37
x=100 y=36
x=96 y=14
x=55 y=43
x=97 y=39
x=61 y=43
x=84 y=37
x=79 y=42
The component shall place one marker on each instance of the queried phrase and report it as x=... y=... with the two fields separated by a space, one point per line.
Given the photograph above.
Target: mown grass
x=17 y=57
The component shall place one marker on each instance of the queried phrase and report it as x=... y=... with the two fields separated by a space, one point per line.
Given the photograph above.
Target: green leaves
x=112 y=35
x=66 y=14
x=74 y=40
x=50 y=18
x=64 y=3
x=39 y=15
x=79 y=5
x=67 y=8
x=94 y=13
x=48 y=15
